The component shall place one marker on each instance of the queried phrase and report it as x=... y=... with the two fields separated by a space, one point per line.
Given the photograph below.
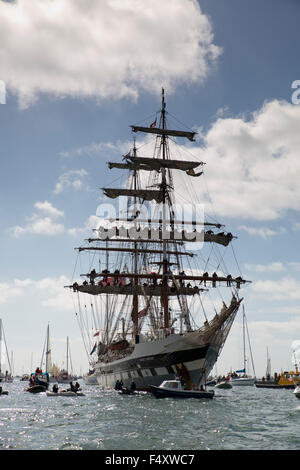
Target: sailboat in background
x=7 y=375
x=48 y=360
x=244 y=379
x=64 y=376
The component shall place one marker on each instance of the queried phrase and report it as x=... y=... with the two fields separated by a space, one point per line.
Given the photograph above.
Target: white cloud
x=252 y=165
x=55 y=295
x=41 y=225
x=263 y=268
x=70 y=179
x=49 y=292
x=294 y=265
x=275 y=266
x=263 y=232
x=8 y=292
x=282 y=289
x=91 y=223
x=97 y=148
x=110 y=48
x=48 y=208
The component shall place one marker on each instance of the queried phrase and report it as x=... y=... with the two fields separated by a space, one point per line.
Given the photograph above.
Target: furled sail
x=156 y=130
x=148 y=290
x=146 y=194
x=158 y=163
x=129 y=166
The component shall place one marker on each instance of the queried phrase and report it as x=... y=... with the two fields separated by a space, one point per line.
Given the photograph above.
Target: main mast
x=135 y=299
x=164 y=190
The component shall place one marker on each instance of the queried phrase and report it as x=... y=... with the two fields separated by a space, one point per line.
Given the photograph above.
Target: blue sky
x=72 y=93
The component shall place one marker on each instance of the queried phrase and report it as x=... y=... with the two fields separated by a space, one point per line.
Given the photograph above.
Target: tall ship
x=156 y=299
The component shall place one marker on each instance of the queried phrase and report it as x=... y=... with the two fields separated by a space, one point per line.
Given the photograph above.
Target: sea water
x=243 y=418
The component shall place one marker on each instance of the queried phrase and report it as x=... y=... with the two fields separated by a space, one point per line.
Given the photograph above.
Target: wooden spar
x=165 y=132
x=129 y=240
x=186 y=277
x=160 y=236
x=167 y=222
x=135 y=291
x=133 y=250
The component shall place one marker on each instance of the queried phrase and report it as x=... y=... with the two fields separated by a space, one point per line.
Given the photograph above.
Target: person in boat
x=133 y=386
x=72 y=388
x=77 y=387
x=55 y=388
x=119 y=385
x=214 y=276
x=228 y=280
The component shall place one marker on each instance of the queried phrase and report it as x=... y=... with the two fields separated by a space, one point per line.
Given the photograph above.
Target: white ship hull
x=187 y=356
x=242 y=381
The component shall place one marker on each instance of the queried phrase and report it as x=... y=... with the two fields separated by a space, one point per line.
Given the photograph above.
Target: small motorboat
x=3 y=392
x=38 y=382
x=173 y=389
x=36 y=389
x=297 y=391
x=130 y=391
x=225 y=384
x=65 y=393
x=127 y=391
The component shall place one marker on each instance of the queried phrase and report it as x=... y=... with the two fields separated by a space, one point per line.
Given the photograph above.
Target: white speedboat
x=66 y=393
x=242 y=381
x=173 y=389
x=297 y=391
